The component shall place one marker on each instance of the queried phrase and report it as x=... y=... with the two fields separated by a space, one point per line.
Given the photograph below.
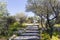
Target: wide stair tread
x=26 y=37
x=32 y=31
x=30 y=34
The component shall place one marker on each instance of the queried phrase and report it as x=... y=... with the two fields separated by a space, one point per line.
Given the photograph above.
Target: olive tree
x=46 y=9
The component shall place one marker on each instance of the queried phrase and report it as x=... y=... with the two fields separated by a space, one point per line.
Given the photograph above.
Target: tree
x=21 y=17
x=29 y=20
x=58 y=20
x=46 y=9
x=3 y=18
x=11 y=20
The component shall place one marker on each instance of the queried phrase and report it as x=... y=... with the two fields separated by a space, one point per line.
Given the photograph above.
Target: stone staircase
x=31 y=33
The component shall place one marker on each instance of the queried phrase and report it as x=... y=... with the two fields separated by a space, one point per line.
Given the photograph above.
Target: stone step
x=32 y=31
x=26 y=38
x=30 y=34
x=28 y=31
x=32 y=27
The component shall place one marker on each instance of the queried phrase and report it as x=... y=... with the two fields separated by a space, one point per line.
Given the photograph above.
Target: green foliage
x=11 y=20
x=15 y=27
x=3 y=18
x=45 y=36
x=55 y=33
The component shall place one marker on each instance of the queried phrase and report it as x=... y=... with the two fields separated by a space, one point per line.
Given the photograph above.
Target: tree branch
x=53 y=18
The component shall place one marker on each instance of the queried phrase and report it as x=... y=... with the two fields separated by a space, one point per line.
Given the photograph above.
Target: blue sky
x=15 y=6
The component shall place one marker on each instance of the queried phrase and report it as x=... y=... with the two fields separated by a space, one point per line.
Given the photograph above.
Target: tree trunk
x=49 y=27
x=41 y=22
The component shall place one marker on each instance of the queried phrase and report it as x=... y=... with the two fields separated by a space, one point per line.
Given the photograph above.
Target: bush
x=45 y=36
x=15 y=27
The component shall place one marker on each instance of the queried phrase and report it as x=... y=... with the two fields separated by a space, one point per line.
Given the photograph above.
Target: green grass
x=46 y=36
x=57 y=25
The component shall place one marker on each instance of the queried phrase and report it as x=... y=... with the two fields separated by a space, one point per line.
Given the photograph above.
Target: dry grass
x=3 y=39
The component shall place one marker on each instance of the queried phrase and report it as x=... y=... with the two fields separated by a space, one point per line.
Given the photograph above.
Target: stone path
x=31 y=33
